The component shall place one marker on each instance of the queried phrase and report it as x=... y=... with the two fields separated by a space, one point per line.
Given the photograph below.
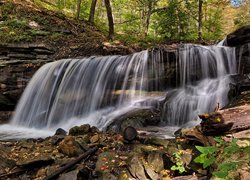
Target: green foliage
x=247 y=149
x=243 y=15
x=7 y=9
x=35 y=32
x=219 y=140
x=211 y=154
x=15 y=30
x=142 y=22
x=207 y=156
x=207 y=150
x=179 y=165
x=222 y=170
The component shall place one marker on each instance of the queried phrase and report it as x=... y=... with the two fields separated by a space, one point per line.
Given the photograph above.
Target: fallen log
x=129 y=134
x=72 y=163
x=226 y=121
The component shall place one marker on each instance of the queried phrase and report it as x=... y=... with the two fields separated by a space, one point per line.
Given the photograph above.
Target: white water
x=95 y=90
x=204 y=83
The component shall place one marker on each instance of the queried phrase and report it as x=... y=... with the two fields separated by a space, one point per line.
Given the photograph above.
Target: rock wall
x=241 y=40
x=25 y=51
x=15 y=75
x=18 y=63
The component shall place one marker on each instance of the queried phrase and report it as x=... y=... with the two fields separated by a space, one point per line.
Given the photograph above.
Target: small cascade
x=204 y=79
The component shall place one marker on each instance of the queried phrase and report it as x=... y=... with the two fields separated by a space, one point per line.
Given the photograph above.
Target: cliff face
x=241 y=40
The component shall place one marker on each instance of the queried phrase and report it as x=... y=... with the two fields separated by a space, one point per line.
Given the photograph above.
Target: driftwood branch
x=16 y=171
x=72 y=163
x=226 y=121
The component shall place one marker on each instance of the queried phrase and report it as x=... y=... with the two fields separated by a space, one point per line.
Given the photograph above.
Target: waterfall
x=88 y=90
x=204 y=76
x=95 y=90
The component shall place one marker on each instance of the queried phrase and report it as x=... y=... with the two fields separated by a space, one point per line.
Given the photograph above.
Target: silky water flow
x=95 y=90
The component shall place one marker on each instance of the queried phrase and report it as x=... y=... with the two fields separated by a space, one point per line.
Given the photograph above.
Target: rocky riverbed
x=87 y=153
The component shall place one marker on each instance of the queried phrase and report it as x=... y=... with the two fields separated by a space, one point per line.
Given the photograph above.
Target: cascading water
x=95 y=90
x=91 y=90
x=204 y=82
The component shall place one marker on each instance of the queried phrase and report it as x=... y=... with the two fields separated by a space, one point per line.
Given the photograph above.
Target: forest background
x=173 y=20
x=156 y=21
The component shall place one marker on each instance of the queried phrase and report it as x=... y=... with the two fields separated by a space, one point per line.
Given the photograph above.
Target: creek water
x=95 y=90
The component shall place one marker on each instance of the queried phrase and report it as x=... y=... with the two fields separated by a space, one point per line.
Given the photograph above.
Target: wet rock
x=94 y=129
x=155 y=161
x=5 y=116
x=56 y=139
x=70 y=147
x=15 y=75
x=6 y=103
x=72 y=175
x=157 y=141
x=136 y=118
x=61 y=131
x=85 y=138
x=82 y=142
x=79 y=130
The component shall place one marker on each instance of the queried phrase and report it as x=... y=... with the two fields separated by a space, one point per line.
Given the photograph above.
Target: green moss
x=38 y=32
x=14 y=30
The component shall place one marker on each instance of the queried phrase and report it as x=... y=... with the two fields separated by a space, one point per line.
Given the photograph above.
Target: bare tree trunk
x=78 y=9
x=92 y=11
x=110 y=19
x=148 y=15
x=200 y=20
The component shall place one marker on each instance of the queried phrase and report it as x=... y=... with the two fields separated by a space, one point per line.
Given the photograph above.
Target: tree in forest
x=161 y=19
x=243 y=13
x=200 y=20
x=92 y=11
x=78 y=9
x=146 y=8
x=110 y=19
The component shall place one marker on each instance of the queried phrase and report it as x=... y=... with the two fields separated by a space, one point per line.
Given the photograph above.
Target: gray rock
x=79 y=130
x=155 y=161
x=56 y=139
x=136 y=168
x=72 y=175
x=60 y=131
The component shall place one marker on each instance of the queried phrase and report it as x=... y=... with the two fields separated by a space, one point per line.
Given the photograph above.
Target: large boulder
x=136 y=118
